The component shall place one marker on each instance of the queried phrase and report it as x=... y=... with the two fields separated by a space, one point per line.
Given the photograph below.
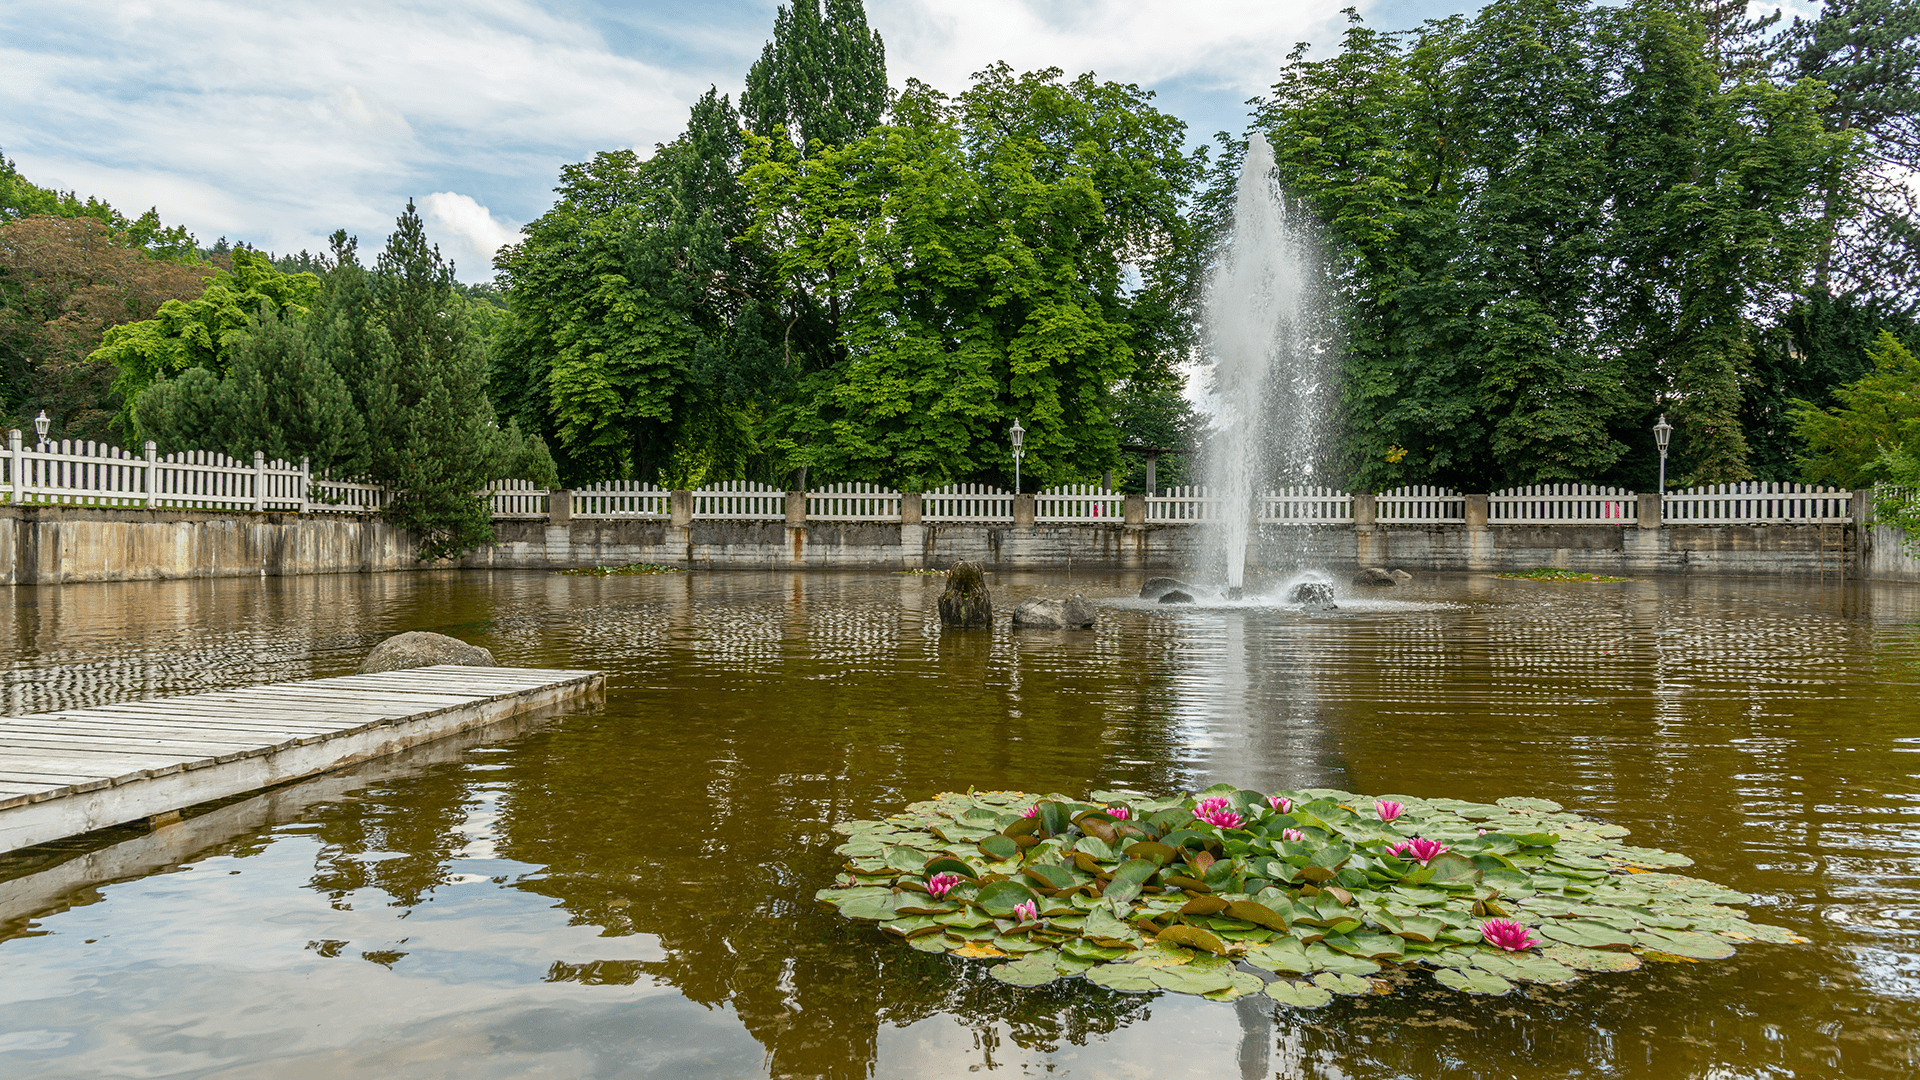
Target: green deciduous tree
x=1873 y=435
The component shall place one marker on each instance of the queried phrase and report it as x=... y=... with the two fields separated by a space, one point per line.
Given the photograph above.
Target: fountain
x=1270 y=377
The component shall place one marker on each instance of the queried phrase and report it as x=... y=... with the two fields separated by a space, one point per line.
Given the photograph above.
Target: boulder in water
x=1311 y=594
x=966 y=604
x=423 y=648
x=1157 y=587
x=1373 y=575
x=1040 y=613
x=1400 y=577
x=1175 y=596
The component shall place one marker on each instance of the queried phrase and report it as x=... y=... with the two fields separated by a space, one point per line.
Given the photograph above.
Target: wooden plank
x=77 y=770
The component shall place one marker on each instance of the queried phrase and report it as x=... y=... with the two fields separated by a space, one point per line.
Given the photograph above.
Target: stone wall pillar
x=560 y=506
x=1862 y=506
x=912 y=505
x=1023 y=508
x=1134 y=509
x=1363 y=512
x=1476 y=511
x=796 y=508
x=1649 y=510
x=680 y=508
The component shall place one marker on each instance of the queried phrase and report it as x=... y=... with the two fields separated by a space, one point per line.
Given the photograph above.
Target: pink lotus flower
x=1026 y=911
x=1280 y=804
x=1506 y=934
x=1218 y=812
x=1418 y=849
x=1119 y=813
x=1031 y=811
x=1294 y=835
x=939 y=885
x=1388 y=810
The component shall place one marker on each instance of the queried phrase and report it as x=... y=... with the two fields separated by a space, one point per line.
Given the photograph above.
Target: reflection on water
x=626 y=891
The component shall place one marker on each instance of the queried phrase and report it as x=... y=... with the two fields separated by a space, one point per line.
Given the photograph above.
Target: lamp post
x=1662 y=431
x=1019 y=436
x=40 y=425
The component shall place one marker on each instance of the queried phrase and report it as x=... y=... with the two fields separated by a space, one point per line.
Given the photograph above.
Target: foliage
x=1141 y=894
x=628 y=570
x=63 y=282
x=1877 y=421
x=1546 y=225
x=1819 y=346
x=976 y=252
x=201 y=332
x=821 y=81
x=1550 y=573
x=22 y=198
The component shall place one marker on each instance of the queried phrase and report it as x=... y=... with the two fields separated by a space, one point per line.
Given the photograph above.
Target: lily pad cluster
x=1299 y=895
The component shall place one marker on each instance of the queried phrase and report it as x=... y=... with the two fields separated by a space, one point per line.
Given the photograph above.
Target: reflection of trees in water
x=399 y=838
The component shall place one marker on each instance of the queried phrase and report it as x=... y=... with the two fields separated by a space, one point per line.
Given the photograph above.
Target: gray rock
x=1401 y=577
x=1157 y=587
x=422 y=648
x=1175 y=596
x=1040 y=613
x=1373 y=575
x=966 y=605
x=1311 y=594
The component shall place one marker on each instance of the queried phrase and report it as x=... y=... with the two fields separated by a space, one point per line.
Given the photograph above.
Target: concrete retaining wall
x=50 y=544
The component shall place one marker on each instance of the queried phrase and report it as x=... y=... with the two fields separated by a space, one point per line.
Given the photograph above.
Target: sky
x=276 y=123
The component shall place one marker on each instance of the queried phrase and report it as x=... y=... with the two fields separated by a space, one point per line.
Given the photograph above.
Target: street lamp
x=1662 y=431
x=1019 y=435
x=40 y=425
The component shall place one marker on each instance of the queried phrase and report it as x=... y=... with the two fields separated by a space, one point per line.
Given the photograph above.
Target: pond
x=626 y=890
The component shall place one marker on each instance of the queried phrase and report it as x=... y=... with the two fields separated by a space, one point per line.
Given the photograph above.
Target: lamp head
x=1017 y=433
x=1662 y=431
x=41 y=423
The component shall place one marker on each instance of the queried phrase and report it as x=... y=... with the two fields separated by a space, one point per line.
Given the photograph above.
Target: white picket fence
x=1182 y=504
x=1562 y=504
x=853 y=502
x=610 y=499
x=75 y=473
x=1756 y=502
x=739 y=500
x=1420 y=504
x=517 y=499
x=1078 y=502
x=967 y=502
x=1305 y=506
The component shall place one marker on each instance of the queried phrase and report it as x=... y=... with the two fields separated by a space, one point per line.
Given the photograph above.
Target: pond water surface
x=625 y=890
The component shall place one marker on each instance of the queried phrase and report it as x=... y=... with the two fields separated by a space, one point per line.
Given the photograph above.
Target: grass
x=1549 y=573
x=622 y=571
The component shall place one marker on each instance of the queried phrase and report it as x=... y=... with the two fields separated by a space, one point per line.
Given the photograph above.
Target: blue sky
x=277 y=123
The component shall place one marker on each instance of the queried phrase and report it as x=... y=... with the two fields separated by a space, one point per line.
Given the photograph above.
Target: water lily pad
x=1693 y=946
x=1029 y=971
x=1526 y=967
x=1000 y=897
x=1192 y=979
x=1586 y=933
x=1130 y=978
x=1581 y=959
x=1472 y=981
x=1300 y=995
x=1194 y=937
x=1336 y=982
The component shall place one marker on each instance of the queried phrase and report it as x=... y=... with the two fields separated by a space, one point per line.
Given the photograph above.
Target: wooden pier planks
x=69 y=772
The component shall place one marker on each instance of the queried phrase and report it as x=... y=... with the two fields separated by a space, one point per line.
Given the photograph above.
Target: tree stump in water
x=966 y=604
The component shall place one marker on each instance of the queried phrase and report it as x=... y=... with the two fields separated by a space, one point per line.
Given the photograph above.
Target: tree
x=822 y=81
x=63 y=282
x=1873 y=436
x=20 y=198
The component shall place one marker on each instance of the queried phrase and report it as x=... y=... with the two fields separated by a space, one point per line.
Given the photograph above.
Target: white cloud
x=466 y=232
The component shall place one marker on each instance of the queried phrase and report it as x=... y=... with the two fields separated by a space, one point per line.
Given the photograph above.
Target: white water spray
x=1269 y=380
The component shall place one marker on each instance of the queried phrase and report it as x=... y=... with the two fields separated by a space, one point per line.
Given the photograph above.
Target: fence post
x=1476 y=511
x=1023 y=508
x=1363 y=511
x=680 y=508
x=1133 y=510
x=796 y=508
x=306 y=484
x=16 y=446
x=259 y=481
x=912 y=506
x=153 y=465
x=1650 y=510
x=1862 y=506
x=560 y=506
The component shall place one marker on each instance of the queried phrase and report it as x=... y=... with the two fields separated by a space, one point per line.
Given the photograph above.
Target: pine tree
x=822 y=80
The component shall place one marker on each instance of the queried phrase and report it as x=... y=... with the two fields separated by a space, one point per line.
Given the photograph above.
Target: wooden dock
x=71 y=772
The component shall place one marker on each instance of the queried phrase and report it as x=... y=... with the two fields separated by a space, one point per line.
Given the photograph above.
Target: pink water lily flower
x=1119 y=813
x=939 y=885
x=1280 y=803
x=1418 y=849
x=1506 y=934
x=1295 y=835
x=1031 y=811
x=1388 y=809
x=1026 y=911
x=1217 y=811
